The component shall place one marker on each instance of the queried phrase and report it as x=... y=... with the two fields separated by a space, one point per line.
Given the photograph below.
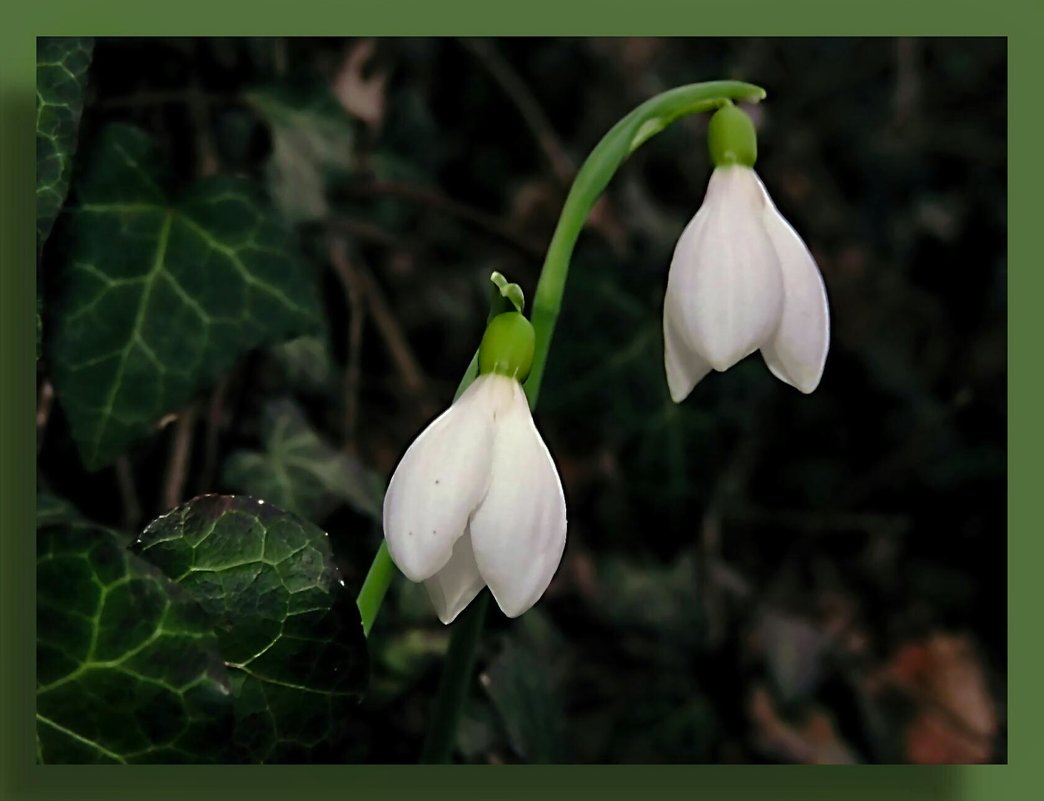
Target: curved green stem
x=623 y=139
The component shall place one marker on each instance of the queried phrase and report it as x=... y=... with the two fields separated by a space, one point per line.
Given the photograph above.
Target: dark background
x=754 y=575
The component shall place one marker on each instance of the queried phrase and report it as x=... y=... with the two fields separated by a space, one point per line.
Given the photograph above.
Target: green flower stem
x=454 y=682
x=376 y=584
x=623 y=139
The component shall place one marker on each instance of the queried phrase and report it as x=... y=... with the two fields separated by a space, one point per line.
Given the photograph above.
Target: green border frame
x=20 y=778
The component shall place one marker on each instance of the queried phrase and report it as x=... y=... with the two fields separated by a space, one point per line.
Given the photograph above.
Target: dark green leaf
x=127 y=669
x=51 y=510
x=311 y=137
x=653 y=603
x=480 y=731
x=305 y=365
x=290 y=632
x=520 y=686
x=667 y=719
x=160 y=295
x=61 y=73
x=300 y=472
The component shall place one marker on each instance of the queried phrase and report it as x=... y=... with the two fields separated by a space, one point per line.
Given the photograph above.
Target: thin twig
x=487 y=223
x=206 y=149
x=180 y=456
x=45 y=403
x=894 y=464
x=908 y=82
x=212 y=434
x=532 y=114
x=353 y=373
x=353 y=292
x=128 y=494
x=352 y=273
x=360 y=231
x=280 y=56
x=172 y=97
x=207 y=163
x=821 y=522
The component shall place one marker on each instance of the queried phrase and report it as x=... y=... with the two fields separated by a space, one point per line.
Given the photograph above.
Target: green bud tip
x=505 y=295
x=731 y=137
x=507 y=346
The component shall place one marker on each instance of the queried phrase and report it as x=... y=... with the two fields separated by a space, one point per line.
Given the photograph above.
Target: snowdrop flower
x=476 y=501
x=741 y=278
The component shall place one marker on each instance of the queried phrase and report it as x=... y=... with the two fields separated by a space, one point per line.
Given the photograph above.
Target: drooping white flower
x=742 y=280
x=477 y=501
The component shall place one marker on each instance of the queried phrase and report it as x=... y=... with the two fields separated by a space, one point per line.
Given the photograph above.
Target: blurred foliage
x=301 y=473
x=753 y=575
x=311 y=144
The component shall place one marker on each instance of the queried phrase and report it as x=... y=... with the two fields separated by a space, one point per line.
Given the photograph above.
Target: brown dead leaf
x=813 y=741
x=955 y=720
x=635 y=54
x=361 y=95
x=931 y=739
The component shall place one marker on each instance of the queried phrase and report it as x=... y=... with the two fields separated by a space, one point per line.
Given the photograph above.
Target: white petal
x=729 y=288
x=797 y=352
x=457 y=584
x=685 y=368
x=439 y=482
x=519 y=530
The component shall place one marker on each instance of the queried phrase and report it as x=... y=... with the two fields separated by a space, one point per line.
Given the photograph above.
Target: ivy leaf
x=312 y=140
x=653 y=603
x=520 y=689
x=300 y=472
x=521 y=684
x=127 y=669
x=305 y=365
x=162 y=294
x=52 y=510
x=61 y=74
x=290 y=632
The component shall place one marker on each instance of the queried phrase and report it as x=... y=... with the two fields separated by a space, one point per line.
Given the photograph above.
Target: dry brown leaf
x=931 y=739
x=956 y=719
x=814 y=741
x=361 y=96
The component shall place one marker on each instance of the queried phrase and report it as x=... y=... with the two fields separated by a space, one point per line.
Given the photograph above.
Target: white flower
x=477 y=501
x=741 y=280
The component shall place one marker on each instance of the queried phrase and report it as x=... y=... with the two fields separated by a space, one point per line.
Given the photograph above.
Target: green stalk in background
x=644 y=122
